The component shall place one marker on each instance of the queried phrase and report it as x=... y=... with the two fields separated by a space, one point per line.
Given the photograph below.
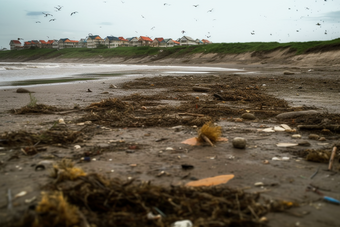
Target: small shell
x=20 y=194
x=77 y=146
x=61 y=121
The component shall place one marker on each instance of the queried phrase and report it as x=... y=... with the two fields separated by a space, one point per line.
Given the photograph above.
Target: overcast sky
x=215 y=20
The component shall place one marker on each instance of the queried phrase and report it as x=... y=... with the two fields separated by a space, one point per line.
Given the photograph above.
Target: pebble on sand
x=239 y=142
x=248 y=116
x=313 y=137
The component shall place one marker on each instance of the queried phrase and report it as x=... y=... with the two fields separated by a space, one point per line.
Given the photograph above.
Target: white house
x=112 y=42
x=187 y=41
x=94 y=40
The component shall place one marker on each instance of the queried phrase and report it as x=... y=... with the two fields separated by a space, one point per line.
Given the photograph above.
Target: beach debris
x=9 y=199
x=332 y=200
x=280 y=158
x=77 y=147
x=304 y=143
x=61 y=121
x=113 y=86
x=187 y=166
x=322 y=139
x=335 y=128
x=295 y=114
x=296 y=136
x=248 y=116
x=23 y=90
x=259 y=184
x=265 y=162
x=239 y=142
x=331 y=160
x=88 y=90
x=288 y=73
x=211 y=181
x=65 y=170
x=184 y=223
x=86 y=159
x=20 y=194
x=286 y=127
x=266 y=130
x=201 y=89
x=313 y=137
x=314 y=174
x=169 y=149
x=322 y=156
x=151 y=216
x=209 y=133
x=278 y=129
x=30 y=200
x=287 y=144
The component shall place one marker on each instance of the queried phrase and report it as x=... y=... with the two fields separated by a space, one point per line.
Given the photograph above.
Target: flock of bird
x=59 y=8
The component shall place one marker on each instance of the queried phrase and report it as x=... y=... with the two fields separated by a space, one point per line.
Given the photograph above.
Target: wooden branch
x=331 y=160
x=206 y=139
x=192 y=114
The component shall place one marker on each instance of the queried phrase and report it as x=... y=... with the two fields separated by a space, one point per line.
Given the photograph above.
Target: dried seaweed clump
x=110 y=103
x=55 y=210
x=322 y=156
x=65 y=170
x=210 y=131
x=36 y=109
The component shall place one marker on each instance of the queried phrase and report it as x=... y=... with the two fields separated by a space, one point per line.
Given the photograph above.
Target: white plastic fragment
x=184 y=223
x=267 y=130
x=169 y=149
x=286 y=127
x=278 y=129
x=296 y=136
x=77 y=147
x=287 y=144
x=20 y=194
x=151 y=216
x=280 y=159
x=61 y=121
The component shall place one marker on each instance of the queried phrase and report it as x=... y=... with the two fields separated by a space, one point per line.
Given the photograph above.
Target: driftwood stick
x=192 y=114
x=206 y=139
x=331 y=160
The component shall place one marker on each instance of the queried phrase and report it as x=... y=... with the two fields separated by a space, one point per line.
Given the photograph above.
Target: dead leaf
x=194 y=142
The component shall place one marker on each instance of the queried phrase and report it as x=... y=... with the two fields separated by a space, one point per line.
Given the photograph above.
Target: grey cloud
x=34 y=13
x=335 y=15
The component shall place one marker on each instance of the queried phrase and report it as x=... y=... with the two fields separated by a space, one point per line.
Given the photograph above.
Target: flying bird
x=195 y=5
x=52 y=20
x=153 y=28
x=318 y=24
x=37 y=22
x=210 y=10
x=166 y=4
x=47 y=14
x=183 y=31
x=58 y=8
x=253 y=32
x=143 y=16
x=74 y=13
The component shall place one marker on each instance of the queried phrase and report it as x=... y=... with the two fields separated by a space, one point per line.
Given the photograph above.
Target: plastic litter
x=184 y=223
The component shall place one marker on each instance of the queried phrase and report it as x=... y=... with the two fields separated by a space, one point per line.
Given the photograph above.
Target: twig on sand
x=192 y=114
x=206 y=139
x=331 y=160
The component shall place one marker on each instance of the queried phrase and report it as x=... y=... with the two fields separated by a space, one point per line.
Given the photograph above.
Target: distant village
x=95 y=41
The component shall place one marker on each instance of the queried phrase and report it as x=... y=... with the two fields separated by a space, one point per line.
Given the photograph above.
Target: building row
x=94 y=41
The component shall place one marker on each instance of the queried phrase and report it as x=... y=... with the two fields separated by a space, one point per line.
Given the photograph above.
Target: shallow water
x=13 y=74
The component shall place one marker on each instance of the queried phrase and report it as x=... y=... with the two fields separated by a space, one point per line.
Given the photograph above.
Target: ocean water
x=14 y=74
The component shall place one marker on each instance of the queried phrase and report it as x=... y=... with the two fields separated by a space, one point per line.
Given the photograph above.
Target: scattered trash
x=151 y=216
x=77 y=147
x=314 y=174
x=286 y=127
x=85 y=159
x=88 y=90
x=169 y=149
x=267 y=130
x=30 y=200
x=280 y=159
x=259 y=184
x=279 y=129
x=239 y=142
x=113 y=86
x=20 y=194
x=332 y=200
x=296 y=136
x=265 y=162
x=61 y=121
x=209 y=133
x=184 y=223
x=331 y=160
x=287 y=144
x=9 y=199
x=40 y=167
x=211 y=181
x=187 y=166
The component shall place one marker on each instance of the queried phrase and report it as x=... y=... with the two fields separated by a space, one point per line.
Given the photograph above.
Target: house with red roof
x=43 y=44
x=123 y=42
x=145 y=41
x=205 y=41
x=171 y=43
x=158 y=42
x=15 y=44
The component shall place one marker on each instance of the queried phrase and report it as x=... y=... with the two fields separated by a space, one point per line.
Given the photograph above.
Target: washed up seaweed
x=36 y=109
x=115 y=202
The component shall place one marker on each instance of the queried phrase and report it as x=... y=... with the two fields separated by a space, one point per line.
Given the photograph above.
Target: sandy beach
x=139 y=134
